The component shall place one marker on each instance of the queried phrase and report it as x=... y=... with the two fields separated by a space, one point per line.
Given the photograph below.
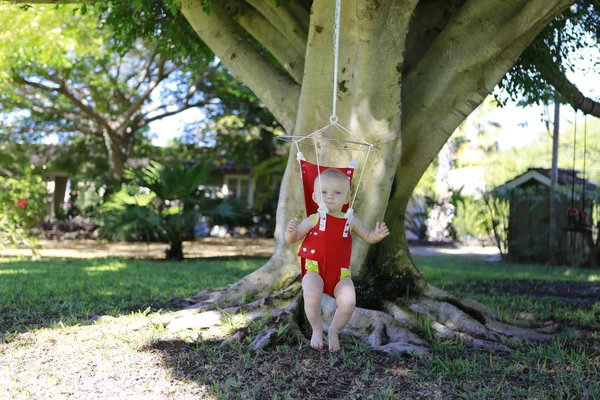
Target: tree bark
x=409 y=117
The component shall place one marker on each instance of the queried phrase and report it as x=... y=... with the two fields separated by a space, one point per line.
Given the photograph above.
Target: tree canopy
x=72 y=77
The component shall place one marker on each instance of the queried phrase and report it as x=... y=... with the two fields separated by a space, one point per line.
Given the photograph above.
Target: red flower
x=22 y=203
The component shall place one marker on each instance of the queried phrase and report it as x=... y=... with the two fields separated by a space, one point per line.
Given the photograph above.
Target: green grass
x=452 y=269
x=44 y=293
x=463 y=276
x=41 y=293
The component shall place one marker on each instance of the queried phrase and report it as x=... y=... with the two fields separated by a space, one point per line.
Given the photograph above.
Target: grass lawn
x=53 y=345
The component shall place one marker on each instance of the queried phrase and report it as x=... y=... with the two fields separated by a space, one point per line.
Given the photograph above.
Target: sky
x=522 y=125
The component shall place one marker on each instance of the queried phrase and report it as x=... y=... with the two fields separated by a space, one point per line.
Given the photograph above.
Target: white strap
x=349 y=216
x=360 y=178
x=323 y=210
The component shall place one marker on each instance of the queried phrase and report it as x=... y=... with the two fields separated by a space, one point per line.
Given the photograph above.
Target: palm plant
x=175 y=201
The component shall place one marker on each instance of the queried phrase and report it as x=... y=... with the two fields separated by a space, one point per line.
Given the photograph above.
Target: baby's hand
x=381 y=230
x=292 y=226
x=291 y=233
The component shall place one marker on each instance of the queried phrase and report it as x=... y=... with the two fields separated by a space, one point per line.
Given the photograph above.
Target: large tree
x=70 y=77
x=409 y=73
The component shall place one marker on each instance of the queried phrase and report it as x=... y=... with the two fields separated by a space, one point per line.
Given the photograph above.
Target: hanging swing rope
x=573 y=211
x=583 y=213
x=333 y=119
x=317 y=136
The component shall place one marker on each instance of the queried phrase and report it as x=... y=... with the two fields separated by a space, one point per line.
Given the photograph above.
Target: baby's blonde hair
x=332 y=173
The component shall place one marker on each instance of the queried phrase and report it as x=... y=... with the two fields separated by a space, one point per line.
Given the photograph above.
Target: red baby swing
x=309 y=172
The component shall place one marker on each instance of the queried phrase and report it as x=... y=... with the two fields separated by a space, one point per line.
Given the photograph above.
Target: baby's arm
x=295 y=232
x=370 y=236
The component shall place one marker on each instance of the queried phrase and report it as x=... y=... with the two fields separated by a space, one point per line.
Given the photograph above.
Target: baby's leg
x=312 y=288
x=345 y=298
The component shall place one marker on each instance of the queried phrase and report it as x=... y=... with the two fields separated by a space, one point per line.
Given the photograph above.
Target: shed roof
x=566 y=177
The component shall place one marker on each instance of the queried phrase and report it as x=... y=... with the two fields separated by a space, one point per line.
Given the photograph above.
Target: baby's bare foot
x=334 y=342
x=316 y=341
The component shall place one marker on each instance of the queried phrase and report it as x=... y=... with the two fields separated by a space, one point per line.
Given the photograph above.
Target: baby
x=326 y=255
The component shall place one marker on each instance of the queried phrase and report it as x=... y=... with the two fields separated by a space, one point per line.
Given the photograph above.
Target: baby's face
x=335 y=193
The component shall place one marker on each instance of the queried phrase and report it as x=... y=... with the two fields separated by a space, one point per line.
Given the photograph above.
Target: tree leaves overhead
x=557 y=45
x=107 y=72
x=153 y=21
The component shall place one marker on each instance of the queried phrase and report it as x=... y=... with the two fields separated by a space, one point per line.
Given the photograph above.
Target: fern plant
x=163 y=202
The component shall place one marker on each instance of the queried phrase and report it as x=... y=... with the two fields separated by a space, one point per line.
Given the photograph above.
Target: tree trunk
x=409 y=112
x=117 y=145
x=175 y=251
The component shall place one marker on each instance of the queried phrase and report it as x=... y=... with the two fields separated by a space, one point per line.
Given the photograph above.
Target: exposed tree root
x=474 y=318
x=396 y=329
x=212 y=314
x=378 y=328
x=277 y=274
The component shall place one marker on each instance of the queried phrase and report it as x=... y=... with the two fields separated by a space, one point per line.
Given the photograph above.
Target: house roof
x=566 y=177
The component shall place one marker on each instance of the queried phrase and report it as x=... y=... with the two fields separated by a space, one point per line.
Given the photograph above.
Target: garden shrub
x=22 y=207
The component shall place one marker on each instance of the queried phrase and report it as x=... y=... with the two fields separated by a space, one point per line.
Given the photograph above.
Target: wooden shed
x=529 y=227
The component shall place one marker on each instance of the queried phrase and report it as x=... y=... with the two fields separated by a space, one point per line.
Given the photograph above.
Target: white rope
x=341 y=128
x=336 y=47
x=322 y=210
x=360 y=178
x=333 y=122
x=318 y=173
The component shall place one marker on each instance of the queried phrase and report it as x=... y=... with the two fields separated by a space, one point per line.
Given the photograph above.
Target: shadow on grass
x=285 y=371
x=36 y=294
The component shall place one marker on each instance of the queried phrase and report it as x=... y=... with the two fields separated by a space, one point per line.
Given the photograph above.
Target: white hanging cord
x=322 y=210
x=360 y=178
x=318 y=173
x=341 y=128
x=336 y=46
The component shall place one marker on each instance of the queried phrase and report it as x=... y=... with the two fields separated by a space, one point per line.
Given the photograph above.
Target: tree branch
x=552 y=74
x=186 y=106
x=288 y=24
x=429 y=20
x=274 y=88
x=193 y=89
x=139 y=102
x=145 y=68
x=477 y=47
x=64 y=89
x=278 y=45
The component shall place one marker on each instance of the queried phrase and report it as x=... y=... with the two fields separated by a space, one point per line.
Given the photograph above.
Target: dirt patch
x=201 y=248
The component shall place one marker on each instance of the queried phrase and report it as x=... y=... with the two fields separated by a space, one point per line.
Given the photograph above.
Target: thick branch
x=463 y=65
x=556 y=78
x=64 y=89
x=278 y=45
x=429 y=20
x=288 y=24
x=274 y=88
